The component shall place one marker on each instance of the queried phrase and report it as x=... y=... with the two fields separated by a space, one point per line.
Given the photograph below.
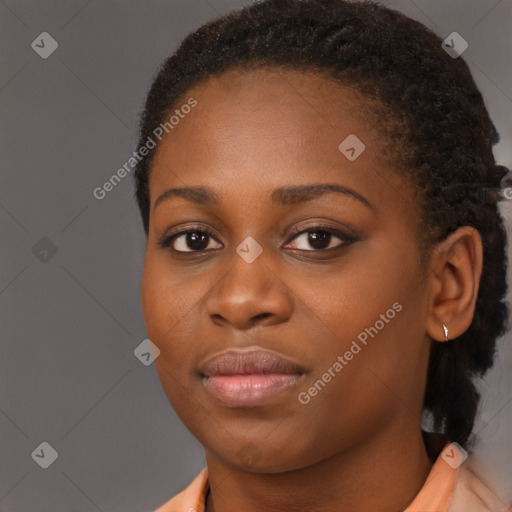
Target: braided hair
x=434 y=115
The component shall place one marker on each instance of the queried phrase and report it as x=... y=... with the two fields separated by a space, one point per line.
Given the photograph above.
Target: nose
x=249 y=294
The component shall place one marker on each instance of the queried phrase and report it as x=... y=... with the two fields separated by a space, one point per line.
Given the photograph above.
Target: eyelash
x=345 y=238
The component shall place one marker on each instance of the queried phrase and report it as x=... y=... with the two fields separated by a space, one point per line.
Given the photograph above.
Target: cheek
x=166 y=311
x=371 y=315
x=164 y=307
x=374 y=384
x=153 y=299
x=173 y=305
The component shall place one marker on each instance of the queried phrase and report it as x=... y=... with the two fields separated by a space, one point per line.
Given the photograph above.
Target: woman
x=325 y=260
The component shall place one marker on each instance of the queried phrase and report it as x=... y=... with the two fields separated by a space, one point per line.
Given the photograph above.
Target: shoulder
x=472 y=494
x=190 y=499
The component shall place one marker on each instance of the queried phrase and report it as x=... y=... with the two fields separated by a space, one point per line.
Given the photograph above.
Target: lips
x=241 y=362
x=247 y=378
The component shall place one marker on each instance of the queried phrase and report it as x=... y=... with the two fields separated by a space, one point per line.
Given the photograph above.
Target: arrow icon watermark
x=454 y=45
x=45 y=455
x=44 y=45
x=249 y=250
x=352 y=147
x=146 y=352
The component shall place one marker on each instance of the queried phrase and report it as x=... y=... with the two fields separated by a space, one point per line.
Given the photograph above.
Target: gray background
x=69 y=325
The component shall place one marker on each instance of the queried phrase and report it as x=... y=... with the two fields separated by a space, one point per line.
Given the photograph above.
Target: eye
x=314 y=239
x=322 y=238
x=191 y=240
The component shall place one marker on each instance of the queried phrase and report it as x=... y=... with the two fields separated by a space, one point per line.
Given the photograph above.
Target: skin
x=251 y=132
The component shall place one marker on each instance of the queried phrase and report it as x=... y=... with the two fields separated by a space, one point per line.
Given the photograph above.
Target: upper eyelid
x=295 y=231
x=324 y=227
x=190 y=229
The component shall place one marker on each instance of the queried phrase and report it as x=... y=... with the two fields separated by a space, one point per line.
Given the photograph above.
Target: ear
x=456 y=267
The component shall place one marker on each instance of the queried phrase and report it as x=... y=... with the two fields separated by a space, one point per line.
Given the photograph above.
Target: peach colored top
x=449 y=488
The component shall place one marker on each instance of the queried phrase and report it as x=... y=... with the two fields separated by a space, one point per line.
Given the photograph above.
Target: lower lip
x=248 y=390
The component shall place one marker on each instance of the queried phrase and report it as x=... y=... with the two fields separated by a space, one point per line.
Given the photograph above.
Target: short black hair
x=442 y=143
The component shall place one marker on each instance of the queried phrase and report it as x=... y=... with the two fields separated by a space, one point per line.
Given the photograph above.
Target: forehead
x=270 y=127
x=277 y=101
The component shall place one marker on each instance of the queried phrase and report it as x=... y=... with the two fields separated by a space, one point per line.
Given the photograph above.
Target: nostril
x=261 y=316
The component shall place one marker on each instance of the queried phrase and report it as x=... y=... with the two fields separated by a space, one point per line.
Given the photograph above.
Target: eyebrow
x=287 y=195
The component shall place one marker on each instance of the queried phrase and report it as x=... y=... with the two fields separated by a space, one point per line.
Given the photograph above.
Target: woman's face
x=329 y=280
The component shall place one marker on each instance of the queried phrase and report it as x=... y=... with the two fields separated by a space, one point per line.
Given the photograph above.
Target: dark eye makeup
x=196 y=239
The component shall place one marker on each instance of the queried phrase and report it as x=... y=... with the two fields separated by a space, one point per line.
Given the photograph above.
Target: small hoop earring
x=445 y=333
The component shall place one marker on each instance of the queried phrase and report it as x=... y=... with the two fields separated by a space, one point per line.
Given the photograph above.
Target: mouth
x=247 y=378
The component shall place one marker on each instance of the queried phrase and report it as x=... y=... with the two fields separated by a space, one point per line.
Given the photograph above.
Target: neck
x=384 y=473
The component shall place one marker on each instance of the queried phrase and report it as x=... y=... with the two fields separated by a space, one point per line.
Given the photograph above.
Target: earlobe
x=456 y=267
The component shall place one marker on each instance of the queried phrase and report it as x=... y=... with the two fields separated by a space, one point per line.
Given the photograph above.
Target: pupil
x=197 y=241
x=318 y=239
